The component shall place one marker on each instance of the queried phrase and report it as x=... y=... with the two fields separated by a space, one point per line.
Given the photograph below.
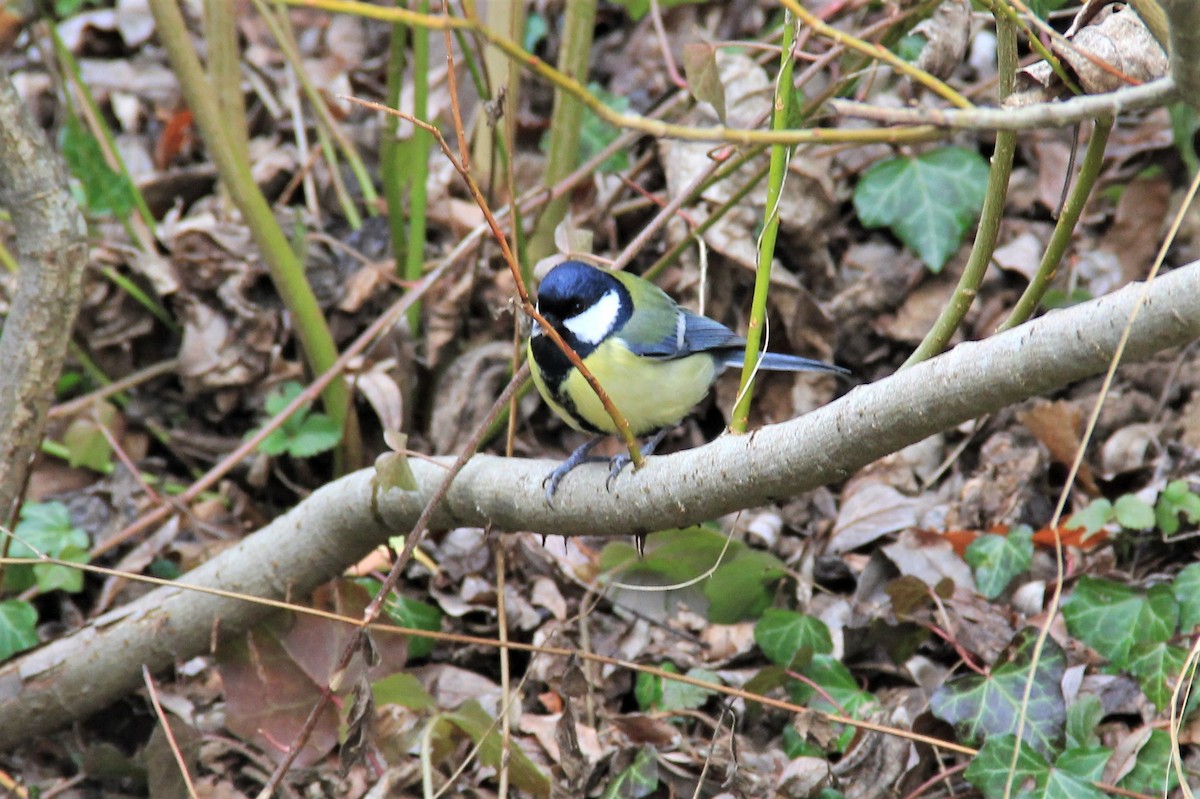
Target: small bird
x=654 y=359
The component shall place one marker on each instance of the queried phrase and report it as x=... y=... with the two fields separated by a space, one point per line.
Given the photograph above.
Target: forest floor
x=910 y=595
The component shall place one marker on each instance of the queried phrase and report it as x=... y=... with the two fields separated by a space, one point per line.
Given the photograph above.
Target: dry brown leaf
x=947 y=34
x=1119 y=39
x=871 y=512
x=1057 y=425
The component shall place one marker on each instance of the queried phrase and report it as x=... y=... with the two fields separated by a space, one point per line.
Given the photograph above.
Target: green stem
x=993 y=210
x=287 y=272
x=1089 y=170
x=391 y=150
x=566 y=121
x=777 y=173
x=418 y=154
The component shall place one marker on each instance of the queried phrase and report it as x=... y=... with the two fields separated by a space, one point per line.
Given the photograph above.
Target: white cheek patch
x=596 y=322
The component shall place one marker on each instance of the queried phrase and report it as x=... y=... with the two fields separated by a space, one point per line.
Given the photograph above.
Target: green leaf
x=18 y=622
x=703 y=76
x=910 y=46
x=989 y=770
x=304 y=433
x=782 y=635
x=1157 y=666
x=929 y=201
x=536 y=29
x=1092 y=519
x=46 y=529
x=86 y=443
x=319 y=433
x=836 y=681
x=638 y=780
x=53 y=577
x=1152 y=767
x=1083 y=716
x=1175 y=500
x=1111 y=618
x=404 y=689
x=1187 y=593
x=648 y=688
x=981 y=707
x=1133 y=513
x=1074 y=772
x=472 y=719
x=997 y=559
x=105 y=191
x=741 y=586
x=597 y=134
x=411 y=613
x=682 y=696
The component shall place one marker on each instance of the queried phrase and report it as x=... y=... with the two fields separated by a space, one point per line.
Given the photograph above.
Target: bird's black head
x=584 y=303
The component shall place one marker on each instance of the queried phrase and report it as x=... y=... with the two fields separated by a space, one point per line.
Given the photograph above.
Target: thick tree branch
x=52 y=252
x=84 y=671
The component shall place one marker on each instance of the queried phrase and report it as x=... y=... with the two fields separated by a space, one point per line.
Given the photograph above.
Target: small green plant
x=45 y=530
x=103 y=190
x=801 y=648
x=1132 y=512
x=305 y=433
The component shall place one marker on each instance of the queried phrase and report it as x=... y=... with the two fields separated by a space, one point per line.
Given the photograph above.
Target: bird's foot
x=576 y=458
x=619 y=462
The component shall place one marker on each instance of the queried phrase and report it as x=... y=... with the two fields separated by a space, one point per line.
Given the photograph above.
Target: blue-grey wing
x=690 y=334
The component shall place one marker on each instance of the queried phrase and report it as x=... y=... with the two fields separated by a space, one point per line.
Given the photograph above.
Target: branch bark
x=52 y=252
x=82 y=672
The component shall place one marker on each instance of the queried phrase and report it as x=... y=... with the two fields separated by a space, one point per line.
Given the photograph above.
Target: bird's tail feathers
x=778 y=362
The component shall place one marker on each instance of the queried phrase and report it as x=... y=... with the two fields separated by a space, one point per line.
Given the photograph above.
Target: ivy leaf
x=981 y=707
x=638 y=780
x=997 y=559
x=1187 y=593
x=18 y=620
x=682 y=696
x=1083 y=716
x=929 y=201
x=1111 y=618
x=782 y=635
x=1153 y=762
x=1157 y=666
x=989 y=769
x=1074 y=772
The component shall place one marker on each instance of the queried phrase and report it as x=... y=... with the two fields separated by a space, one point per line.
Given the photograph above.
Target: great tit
x=654 y=359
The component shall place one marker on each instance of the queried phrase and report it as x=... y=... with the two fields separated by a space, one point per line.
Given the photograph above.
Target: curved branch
x=86 y=670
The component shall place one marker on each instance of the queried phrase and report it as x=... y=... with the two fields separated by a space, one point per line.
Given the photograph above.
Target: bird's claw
x=615 y=465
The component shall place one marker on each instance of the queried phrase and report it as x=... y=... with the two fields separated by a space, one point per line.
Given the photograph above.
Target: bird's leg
x=619 y=462
x=576 y=458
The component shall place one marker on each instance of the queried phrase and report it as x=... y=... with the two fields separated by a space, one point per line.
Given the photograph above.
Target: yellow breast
x=651 y=394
